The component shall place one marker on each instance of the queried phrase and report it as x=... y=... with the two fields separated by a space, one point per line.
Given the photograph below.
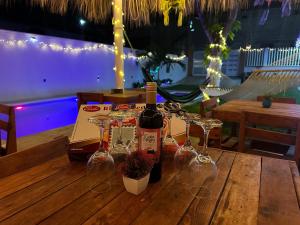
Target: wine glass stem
x=187 y=133
x=101 y=138
x=169 y=123
x=206 y=135
x=120 y=130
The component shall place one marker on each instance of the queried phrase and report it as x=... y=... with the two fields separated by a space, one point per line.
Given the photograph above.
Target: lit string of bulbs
x=60 y=48
x=250 y=49
x=216 y=59
x=171 y=57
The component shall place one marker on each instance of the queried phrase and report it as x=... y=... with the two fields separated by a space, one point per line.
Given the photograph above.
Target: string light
x=216 y=59
x=171 y=57
x=60 y=48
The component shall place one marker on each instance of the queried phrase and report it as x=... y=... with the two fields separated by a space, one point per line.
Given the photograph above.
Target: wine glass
x=185 y=154
x=100 y=166
x=122 y=147
x=203 y=167
x=169 y=141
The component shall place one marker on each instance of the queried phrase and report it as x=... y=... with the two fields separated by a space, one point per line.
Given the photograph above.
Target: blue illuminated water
x=38 y=117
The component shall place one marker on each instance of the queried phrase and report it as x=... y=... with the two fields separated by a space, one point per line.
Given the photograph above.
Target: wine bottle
x=150 y=129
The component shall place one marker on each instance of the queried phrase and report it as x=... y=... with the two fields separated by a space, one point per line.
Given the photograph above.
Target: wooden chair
x=279 y=148
x=206 y=107
x=9 y=127
x=279 y=100
x=85 y=97
x=250 y=128
x=26 y=159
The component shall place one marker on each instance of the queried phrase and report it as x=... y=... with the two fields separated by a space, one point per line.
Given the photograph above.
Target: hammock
x=171 y=97
x=263 y=82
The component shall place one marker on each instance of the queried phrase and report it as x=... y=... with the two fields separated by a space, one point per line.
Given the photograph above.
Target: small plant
x=137 y=165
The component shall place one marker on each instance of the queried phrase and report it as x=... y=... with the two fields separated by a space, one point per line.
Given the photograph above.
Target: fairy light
x=171 y=57
x=32 y=41
x=216 y=59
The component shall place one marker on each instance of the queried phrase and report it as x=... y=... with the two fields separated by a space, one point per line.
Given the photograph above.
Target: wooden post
x=118 y=43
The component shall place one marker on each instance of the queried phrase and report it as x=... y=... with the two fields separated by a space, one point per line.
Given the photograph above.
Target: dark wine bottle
x=150 y=131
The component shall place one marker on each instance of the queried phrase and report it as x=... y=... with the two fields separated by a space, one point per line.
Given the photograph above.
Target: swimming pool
x=32 y=118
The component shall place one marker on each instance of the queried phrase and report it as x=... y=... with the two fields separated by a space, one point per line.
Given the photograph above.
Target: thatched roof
x=135 y=11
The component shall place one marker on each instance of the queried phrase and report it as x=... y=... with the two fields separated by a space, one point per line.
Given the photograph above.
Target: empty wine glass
x=203 y=167
x=123 y=145
x=100 y=166
x=169 y=141
x=185 y=154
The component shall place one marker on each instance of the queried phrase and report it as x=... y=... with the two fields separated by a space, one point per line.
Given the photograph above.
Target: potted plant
x=267 y=101
x=136 y=171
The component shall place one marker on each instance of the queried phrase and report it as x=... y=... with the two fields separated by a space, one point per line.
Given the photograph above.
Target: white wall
x=28 y=73
x=31 y=72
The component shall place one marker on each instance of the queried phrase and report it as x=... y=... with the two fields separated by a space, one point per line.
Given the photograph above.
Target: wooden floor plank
x=202 y=210
x=126 y=207
x=239 y=201
x=53 y=203
x=278 y=200
x=26 y=197
x=28 y=177
x=171 y=203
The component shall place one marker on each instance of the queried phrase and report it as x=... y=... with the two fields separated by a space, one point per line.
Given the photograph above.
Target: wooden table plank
x=53 y=203
x=201 y=211
x=278 y=199
x=83 y=208
x=16 y=182
x=171 y=203
x=239 y=202
x=126 y=207
x=26 y=197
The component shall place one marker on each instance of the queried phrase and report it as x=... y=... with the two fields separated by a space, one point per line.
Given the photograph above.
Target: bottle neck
x=151 y=98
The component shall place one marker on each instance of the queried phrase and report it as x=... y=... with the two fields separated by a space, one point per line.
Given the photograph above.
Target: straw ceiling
x=136 y=12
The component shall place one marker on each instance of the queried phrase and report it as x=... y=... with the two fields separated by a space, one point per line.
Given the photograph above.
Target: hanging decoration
x=167 y=5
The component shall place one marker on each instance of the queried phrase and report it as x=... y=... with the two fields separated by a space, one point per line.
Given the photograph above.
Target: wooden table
x=249 y=189
x=231 y=112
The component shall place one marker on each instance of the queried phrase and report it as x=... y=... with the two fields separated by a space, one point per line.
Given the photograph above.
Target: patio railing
x=273 y=57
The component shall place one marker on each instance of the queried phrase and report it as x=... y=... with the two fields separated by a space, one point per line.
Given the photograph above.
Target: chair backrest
x=85 y=97
x=279 y=100
x=8 y=126
x=26 y=159
x=250 y=127
x=206 y=107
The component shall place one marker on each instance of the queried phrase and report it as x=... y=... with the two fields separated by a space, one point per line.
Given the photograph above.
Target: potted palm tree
x=136 y=171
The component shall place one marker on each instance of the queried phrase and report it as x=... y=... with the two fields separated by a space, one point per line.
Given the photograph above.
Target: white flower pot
x=136 y=186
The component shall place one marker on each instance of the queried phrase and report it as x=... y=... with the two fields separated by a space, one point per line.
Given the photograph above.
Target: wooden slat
x=26 y=197
x=278 y=200
x=171 y=203
x=240 y=198
x=19 y=161
x=16 y=182
x=55 y=202
x=273 y=121
x=126 y=207
x=270 y=135
x=4 y=109
x=84 y=207
x=3 y=125
x=202 y=210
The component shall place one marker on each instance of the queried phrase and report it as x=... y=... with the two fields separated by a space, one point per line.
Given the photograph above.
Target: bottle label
x=150 y=141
